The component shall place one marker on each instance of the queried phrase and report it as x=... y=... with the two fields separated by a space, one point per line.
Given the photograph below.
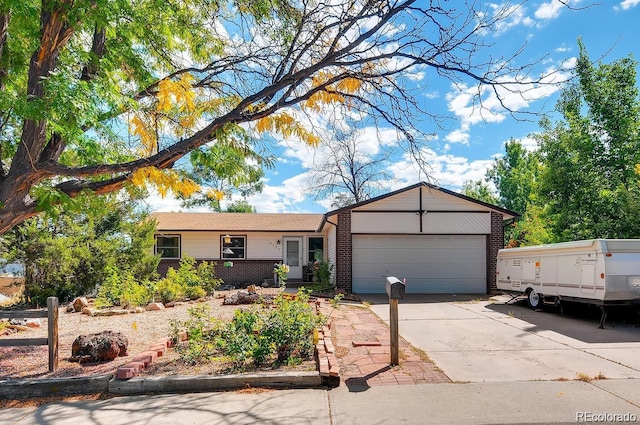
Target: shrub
x=282 y=272
x=188 y=281
x=283 y=334
x=322 y=274
x=289 y=327
x=168 y=289
x=121 y=289
x=204 y=333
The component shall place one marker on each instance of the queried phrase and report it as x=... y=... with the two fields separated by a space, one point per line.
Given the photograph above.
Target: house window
x=168 y=246
x=233 y=246
x=315 y=249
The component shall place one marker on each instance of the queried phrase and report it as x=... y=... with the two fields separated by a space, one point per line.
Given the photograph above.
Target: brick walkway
x=367 y=364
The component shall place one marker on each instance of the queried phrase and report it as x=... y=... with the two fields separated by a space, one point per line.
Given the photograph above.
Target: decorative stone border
x=326 y=355
x=143 y=360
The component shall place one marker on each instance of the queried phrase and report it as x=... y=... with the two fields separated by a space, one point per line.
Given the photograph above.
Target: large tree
x=100 y=94
x=70 y=253
x=515 y=176
x=589 y=182
x=480 y=190
x=347 y=171
x=222 y=171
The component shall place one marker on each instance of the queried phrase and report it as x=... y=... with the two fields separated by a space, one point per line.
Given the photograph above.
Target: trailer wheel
x=534 y=299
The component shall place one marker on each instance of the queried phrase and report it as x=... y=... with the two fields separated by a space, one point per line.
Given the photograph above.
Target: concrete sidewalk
x=472 y=403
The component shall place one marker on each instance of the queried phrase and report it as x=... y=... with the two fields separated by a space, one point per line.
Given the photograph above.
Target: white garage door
x=429 y=263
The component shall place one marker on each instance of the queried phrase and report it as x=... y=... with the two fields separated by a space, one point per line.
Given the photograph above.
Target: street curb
x=206 y=383
x=12 y=389
x=16 y=389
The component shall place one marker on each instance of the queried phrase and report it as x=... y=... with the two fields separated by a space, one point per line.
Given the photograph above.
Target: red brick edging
x=326 y=355
x=146 y=358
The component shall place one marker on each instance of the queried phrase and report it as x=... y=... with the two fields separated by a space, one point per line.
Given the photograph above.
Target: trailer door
x=588 y=279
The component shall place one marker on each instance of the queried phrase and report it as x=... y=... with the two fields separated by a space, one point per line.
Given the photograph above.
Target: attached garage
x=429 y=263
x=438 y=240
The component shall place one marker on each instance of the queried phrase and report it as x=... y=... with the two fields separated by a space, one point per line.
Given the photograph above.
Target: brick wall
x=495 y=242
x=344 y=251
x=242 y=272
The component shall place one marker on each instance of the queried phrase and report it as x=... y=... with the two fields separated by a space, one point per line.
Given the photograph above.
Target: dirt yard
x=141 y=329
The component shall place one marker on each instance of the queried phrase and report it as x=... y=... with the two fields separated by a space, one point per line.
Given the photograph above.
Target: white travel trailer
x=598 y=271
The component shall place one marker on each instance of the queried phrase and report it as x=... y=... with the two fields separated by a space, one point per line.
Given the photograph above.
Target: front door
x=292 y=256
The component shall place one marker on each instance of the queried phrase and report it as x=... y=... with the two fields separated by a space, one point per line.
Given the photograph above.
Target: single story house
x=438 y=240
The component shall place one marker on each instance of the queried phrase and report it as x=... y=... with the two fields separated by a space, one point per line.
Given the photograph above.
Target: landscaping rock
x=116 y=312
x=241 y=297
x=246 y=297
x=79 y=303
x=33 y=323
x=155 y=307
x=251 y=289
x=102 y=346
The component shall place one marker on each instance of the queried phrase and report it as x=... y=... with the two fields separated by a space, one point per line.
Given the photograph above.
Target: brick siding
x=344 y=252
x=242 y=272
x=495 y=242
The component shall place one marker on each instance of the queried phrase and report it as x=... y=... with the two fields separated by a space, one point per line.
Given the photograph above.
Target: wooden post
x=393 y=324
x=52 y=332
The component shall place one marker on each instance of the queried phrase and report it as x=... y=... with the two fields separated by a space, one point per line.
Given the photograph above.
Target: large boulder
x=79 y=303
x=99 y=347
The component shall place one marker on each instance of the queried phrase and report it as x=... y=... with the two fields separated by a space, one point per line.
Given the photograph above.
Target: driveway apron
x=477 y=340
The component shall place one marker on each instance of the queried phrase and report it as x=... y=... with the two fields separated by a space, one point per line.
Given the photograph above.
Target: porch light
x=227 y=239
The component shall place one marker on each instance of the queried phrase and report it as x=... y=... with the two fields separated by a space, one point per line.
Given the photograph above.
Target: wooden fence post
x=52 y=332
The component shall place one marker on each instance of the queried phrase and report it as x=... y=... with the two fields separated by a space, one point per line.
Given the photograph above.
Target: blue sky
x=467 y=146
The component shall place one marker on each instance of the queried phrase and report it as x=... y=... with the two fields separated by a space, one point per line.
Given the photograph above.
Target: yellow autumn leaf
x=349 y=85
x=286 y=125
x=164 y=181
x=215 y=194
x=165 y=92
x=144 y=130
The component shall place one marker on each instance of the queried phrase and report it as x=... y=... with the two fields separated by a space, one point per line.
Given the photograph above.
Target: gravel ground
x=141 y=329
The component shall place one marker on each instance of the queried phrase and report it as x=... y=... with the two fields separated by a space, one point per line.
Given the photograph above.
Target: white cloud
x=553 y=8
x=167 y=204
x=459 y=136
x=628 y=4
x=290 y=196
x=511 y=15
x=448 y=171
x=529 y=143
x=474 y=105
x=550 y=10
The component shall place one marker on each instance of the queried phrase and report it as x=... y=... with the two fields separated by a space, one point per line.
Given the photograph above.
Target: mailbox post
x=395 y=291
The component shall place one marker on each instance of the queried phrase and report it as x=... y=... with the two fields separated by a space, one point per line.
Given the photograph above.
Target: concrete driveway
x=476 y=339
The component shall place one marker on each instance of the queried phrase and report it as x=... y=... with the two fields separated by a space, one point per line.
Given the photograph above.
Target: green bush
x=121 y=289
x=188 y=281
x=168 y=289
x=204 y=334
x=282 y=333
x=289 y=326
x=322 y=274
